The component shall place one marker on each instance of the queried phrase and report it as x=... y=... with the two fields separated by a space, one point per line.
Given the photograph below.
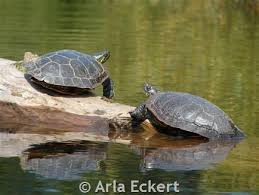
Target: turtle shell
x=68 y=68
x=192 y=114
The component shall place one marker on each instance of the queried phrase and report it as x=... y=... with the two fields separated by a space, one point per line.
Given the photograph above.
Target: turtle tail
x=239 y=133
x=102 y=56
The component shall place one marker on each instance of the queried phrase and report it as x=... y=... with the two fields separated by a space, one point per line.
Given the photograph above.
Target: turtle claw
x=107 y=99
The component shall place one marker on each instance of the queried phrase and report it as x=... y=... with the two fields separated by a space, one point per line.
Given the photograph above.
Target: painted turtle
x=185 y=115
x=65 y=71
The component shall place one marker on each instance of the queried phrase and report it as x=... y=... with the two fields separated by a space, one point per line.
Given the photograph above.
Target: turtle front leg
x=139 y=114
x=108 y=91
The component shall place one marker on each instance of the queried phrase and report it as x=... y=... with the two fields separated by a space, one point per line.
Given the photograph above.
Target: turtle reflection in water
x=185 y=158
x=68 y=71
x=64 y=160
x=185 y=115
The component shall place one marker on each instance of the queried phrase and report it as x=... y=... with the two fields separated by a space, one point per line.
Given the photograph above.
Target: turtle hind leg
x=108 y=91
x=139 y=115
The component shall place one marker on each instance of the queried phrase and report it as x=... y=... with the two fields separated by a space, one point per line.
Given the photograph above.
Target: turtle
x=68 y=71
x=184 y=115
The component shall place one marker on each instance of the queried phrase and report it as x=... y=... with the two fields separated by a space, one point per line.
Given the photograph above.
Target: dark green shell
x=191 y=113
x=68 y=68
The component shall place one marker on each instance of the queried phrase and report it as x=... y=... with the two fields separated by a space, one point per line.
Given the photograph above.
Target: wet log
x=31 y=115
x=15 y=88
x=21 y=127
x=31 y=129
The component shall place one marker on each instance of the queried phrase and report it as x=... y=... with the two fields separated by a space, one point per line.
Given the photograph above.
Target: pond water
x=207 y=48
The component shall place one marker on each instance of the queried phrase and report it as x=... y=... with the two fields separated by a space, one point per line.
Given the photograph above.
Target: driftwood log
x=62 y=137
x=23 y=126
x=56 y=137
x=32 y=115
x=14 y=88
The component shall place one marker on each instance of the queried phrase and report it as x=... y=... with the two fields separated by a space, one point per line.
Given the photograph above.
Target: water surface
x=207 y=48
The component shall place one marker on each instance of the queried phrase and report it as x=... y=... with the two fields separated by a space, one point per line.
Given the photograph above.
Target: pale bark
x=29 y=116
x=14 y=88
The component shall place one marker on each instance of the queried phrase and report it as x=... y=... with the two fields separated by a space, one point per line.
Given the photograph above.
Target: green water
x=207 y=48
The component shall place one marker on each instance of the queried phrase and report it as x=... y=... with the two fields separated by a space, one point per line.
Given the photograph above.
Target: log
x=22 y=127
x=31 y=115
x=45 y=120
x=49 y=132
x=15 y=88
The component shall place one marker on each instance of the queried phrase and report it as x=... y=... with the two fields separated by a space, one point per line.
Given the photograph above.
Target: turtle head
x=27 y=62
x=150 y=90
x=29 y=56
x=102 y=56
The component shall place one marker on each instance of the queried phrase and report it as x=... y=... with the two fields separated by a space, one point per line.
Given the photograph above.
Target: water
x=207 y=48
